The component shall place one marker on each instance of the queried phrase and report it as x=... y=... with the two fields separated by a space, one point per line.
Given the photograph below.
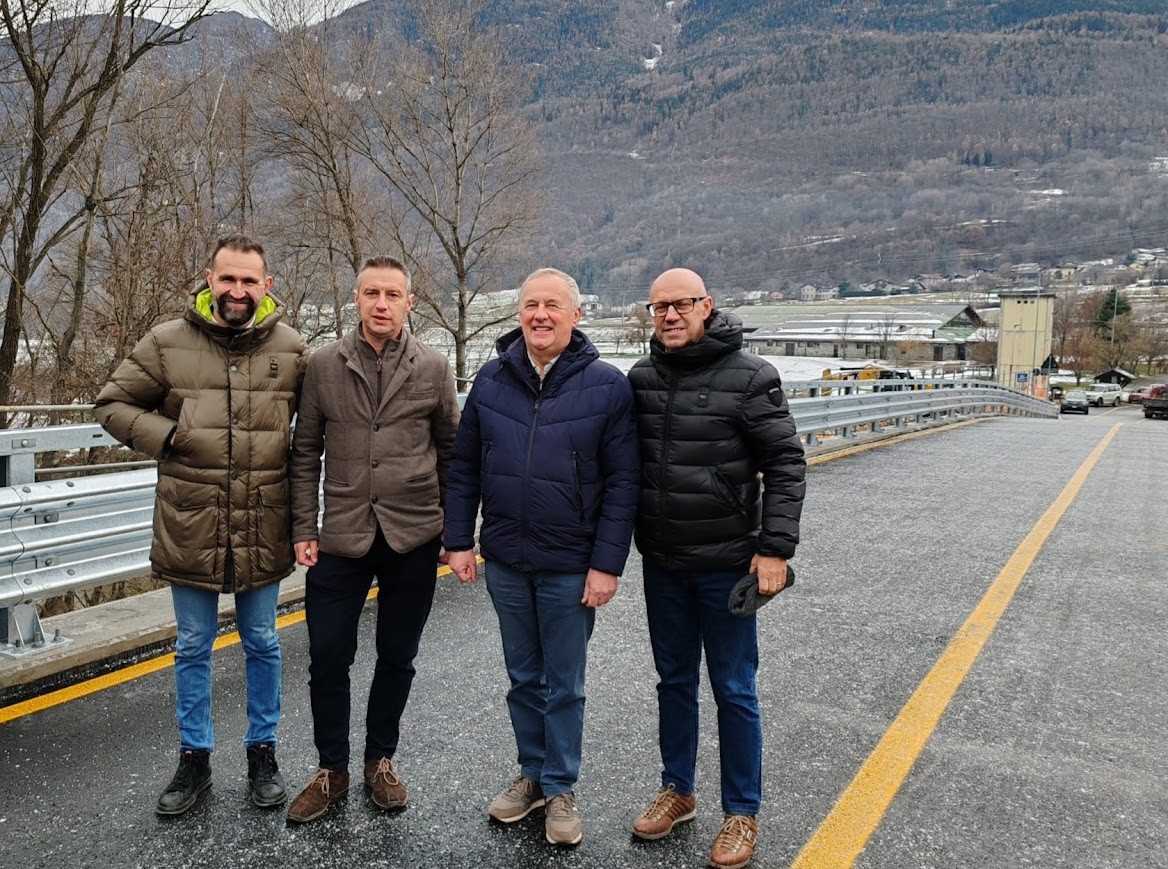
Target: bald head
x=684 y=289
x=681 y=280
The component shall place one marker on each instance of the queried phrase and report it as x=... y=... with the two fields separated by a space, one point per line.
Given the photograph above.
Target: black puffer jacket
x=711 y=418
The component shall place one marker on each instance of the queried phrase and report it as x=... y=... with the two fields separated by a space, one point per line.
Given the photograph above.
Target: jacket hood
x=723 y=336
x=203 y=300
x=512 y=351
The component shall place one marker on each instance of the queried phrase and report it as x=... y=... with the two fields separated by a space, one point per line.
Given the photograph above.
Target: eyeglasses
x=682 y=306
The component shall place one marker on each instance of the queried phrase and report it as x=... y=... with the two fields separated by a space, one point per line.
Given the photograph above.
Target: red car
x=1137 y=396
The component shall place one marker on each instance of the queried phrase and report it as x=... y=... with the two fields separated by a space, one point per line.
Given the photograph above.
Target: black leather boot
x=192 y=778
x=263 y=775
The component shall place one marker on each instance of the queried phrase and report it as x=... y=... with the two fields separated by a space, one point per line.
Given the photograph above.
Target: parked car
x=1075 y=401
x=1137 y=395
x=1101 y=394
x=1156 y=403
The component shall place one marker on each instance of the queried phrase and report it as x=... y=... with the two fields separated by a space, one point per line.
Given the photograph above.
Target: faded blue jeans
x=688 y=611
x=197 y=613
x=545 y=632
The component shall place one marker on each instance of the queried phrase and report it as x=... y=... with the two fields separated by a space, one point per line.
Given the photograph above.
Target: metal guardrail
x=64 y=535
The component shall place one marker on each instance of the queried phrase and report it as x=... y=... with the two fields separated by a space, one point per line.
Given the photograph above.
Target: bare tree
x=885 y=329
x=641 y=329
x=331 y=207
x=446 y=133
x=67 y=65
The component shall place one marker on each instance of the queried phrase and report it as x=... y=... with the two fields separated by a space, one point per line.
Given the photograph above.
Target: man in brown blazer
x=382 y=409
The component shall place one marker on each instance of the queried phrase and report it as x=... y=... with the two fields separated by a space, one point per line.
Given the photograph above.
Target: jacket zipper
x=229 y=556
x=527 y=472
x=666 y=440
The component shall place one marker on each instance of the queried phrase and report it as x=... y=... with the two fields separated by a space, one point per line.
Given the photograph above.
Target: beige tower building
x=1025 y=332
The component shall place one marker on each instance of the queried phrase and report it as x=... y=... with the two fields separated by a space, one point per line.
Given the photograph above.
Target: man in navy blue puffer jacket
x=548 y=445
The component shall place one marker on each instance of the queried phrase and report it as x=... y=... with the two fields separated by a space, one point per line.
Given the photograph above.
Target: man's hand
x=306 y=552
x=599 y=588
x=462 y=565
x=772 y=572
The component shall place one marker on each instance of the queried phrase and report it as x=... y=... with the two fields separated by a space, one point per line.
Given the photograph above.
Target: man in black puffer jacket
x=711 y=419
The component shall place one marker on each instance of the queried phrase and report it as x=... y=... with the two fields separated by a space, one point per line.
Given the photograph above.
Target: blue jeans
x=545 y=632
x=687 y=612
x=197 y=614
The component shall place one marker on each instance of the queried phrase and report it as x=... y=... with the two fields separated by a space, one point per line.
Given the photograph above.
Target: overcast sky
x=314 y=10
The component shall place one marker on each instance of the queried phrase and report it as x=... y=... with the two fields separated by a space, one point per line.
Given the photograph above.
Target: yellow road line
x=852 y=820
x=136 y=671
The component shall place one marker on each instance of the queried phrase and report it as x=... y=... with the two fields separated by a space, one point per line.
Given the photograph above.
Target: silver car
x=1104 y=394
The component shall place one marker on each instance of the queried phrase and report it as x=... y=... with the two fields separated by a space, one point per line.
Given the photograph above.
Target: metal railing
x=60 y=535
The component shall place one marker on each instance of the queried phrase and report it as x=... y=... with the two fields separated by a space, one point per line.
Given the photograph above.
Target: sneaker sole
x=538 y=804
x=653 y=837
x=579 y=838
x=185 y=807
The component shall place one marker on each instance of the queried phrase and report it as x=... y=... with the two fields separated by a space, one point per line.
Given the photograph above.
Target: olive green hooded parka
x=214 y=405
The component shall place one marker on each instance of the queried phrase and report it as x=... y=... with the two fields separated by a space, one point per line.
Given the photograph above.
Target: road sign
x=1022 y=376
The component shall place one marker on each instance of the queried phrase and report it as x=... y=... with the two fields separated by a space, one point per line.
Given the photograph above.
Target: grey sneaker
x=562 y=820
x=517 y=802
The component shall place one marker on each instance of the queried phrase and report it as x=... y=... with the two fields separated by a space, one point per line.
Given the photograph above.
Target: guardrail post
x=21 y=632
x=17 y=469
x=811 y=440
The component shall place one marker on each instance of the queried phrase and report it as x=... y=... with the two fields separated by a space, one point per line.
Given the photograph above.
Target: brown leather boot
x=387 y=789
x=734 y=844
x=668 y=808
x=323 y=789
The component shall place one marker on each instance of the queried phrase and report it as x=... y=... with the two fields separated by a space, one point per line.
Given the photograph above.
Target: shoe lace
x=734 y=833
x=521 y=788
x=386 y=771
x=184 y=775
x=265 y=764
x=320 y=779
x=562 y=806
x=662 y=803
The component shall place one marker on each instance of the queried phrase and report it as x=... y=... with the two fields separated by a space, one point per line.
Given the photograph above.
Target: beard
x=236 y=312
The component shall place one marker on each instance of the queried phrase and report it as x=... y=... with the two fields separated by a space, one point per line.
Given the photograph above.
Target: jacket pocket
x=188 y=534
x=422 y=481
x=273 y=524
x=483 y=462
x=579 y=487
x=333 y=486
x=724 y=491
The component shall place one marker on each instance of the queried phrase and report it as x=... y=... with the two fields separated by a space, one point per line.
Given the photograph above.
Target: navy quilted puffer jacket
x=555 y=466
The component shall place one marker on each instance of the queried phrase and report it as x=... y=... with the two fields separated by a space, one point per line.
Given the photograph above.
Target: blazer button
x=374 y=499
x=375 y=463
x=377 y=426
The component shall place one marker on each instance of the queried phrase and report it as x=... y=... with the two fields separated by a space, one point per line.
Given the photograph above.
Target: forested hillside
x=777 y=142
x=788 y=142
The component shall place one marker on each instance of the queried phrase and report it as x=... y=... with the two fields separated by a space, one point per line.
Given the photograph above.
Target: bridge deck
x=1050 y=752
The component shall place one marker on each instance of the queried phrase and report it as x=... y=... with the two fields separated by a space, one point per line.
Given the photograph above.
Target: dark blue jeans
x=686 y=613
x=545 y=632
x=335 y=592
